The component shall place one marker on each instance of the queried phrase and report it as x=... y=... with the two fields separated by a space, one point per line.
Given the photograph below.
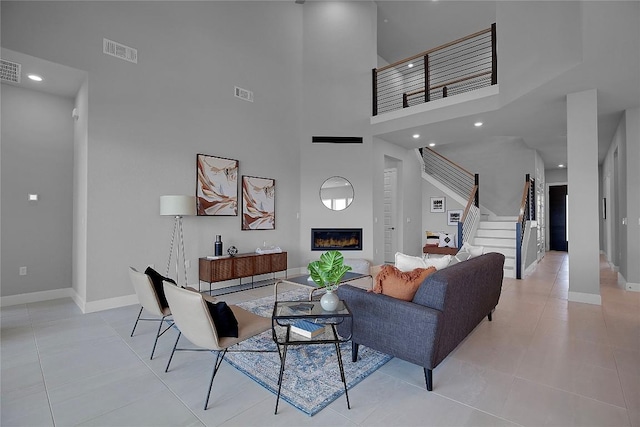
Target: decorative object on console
x=232 y=251
x=258 y=203
x=177 y=206
x=433 y=237
x=217 y=186
x=217 y=246
x=447 y=240
x=327 y=273
x=453 y=216
x=437 y=204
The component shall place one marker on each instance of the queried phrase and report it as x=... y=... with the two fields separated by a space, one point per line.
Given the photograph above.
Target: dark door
x=558 y=218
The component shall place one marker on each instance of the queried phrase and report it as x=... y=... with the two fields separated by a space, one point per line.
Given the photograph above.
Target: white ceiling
x=57 y=79
x=406 y=28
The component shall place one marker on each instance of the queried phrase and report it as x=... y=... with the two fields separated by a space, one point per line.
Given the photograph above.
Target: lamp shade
x=177 y=205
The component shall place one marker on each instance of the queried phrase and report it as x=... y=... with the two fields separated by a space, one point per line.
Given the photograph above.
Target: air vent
x=336 y=140
x=10 y=71
x=118 y=50
x=245 y=94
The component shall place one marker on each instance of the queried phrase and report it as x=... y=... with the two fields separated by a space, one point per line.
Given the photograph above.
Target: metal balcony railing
x=457 y=67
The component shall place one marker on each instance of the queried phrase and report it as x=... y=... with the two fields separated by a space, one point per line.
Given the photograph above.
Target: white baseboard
x=109 y=303
x=86 y=307
x=594 y=299
x=635 y=287
x=36 y=297
x=531 y=268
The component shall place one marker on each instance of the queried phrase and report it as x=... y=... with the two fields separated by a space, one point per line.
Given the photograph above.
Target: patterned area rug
x=311 y=377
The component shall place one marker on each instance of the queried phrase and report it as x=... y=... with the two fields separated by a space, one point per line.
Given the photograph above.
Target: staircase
x=499 y=236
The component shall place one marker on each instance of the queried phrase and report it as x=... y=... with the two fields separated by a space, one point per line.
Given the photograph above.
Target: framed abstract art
x=258 y=203
x=217 y=186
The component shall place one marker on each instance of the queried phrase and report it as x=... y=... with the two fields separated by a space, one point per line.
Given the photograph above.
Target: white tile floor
x=543 y=361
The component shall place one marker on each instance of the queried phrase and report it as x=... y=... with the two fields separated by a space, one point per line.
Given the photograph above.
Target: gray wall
x=502 y=165
x=621 y=227
x=147 y=121
x=37 y=157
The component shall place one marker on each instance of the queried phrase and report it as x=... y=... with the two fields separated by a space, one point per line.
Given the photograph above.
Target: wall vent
x=10 y=71
x=245 y=94
x=118 y=50
x=336 y=139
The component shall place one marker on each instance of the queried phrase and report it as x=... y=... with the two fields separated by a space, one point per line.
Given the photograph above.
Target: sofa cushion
x=468 y=251
x=433 y=237
x=400 y=284
x=438 y=262
x=408 y=262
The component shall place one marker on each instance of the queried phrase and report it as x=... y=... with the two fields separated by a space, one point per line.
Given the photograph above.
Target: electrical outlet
x=23 y=271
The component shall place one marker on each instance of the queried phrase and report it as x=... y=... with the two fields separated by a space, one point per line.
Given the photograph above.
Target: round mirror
x=336 y=193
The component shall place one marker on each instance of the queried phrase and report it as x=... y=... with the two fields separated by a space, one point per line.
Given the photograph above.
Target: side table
x=287 y=312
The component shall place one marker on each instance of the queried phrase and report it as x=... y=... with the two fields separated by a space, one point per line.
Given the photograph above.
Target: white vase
x=329 y=301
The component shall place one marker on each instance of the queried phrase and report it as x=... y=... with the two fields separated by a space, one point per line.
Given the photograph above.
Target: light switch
x=33 y=197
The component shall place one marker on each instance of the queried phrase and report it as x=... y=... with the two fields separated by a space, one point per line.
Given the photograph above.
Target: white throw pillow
x=439 y=263
x=447 y=240
x=474 y=251
x=408 y=262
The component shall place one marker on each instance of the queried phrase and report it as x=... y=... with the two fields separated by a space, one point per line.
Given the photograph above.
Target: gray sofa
x=448 y=305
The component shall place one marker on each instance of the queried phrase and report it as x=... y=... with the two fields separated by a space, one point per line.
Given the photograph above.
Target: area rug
x=311 y=377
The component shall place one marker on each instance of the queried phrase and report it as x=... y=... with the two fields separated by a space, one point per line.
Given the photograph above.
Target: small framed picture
x=437 y=204
x=454 y=216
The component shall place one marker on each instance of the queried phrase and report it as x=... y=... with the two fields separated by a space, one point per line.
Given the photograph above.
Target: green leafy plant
x=328 y=270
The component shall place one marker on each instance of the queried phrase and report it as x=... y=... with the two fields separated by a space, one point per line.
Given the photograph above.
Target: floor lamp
x=177 y=206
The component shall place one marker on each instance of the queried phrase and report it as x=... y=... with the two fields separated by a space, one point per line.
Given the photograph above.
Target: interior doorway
x=558 y=226
x=390 y=214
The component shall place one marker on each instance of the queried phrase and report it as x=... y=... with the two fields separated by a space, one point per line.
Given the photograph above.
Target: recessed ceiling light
x=35 y=77
x=560 y=165
x=477 y=124
x=410 y=65
x=432 y=144
x=416 y=136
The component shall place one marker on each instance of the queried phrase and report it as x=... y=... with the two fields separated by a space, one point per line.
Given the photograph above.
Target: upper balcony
x=457 y=67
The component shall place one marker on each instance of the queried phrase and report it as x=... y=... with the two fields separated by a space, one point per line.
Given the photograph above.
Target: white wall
x=339 y=41
x=621 y=229
x=502 y=165
x=37 y=157
x=147 y=121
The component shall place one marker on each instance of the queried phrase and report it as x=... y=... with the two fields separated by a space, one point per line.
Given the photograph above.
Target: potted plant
x=327 y=273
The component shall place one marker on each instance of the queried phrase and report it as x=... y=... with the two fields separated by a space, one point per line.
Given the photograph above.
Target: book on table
x=306 y=328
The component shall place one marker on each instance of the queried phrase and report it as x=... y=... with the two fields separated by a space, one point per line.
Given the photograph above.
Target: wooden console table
x=439 y=251
x=224 y=268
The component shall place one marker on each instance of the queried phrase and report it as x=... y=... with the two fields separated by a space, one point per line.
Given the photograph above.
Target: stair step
x=494 y=241
x=497 y=225
x=507 y=252
x=509 y=272
x=494 y=233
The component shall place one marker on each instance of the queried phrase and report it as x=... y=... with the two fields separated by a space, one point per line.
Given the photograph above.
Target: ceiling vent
x=10 y=71
x=118 y=50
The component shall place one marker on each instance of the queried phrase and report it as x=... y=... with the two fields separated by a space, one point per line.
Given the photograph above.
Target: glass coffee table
x=285 y=313
x=306 y=282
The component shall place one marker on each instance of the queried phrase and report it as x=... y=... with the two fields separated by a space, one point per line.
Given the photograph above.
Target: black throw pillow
x=157 y=280
x=225 y=322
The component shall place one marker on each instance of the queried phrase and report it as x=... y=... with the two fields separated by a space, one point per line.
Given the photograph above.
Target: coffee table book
x=306 y=328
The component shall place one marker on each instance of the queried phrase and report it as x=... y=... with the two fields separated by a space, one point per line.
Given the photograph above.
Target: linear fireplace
x=342 y=239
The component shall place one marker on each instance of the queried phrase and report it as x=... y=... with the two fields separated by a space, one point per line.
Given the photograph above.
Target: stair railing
x=454 y=176
x=460 y=181
x=470 y=216
x=527 y=213
x=460 y=66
